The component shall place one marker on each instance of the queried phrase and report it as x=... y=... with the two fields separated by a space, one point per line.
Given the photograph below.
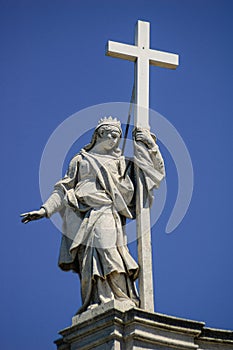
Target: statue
x=94 y=199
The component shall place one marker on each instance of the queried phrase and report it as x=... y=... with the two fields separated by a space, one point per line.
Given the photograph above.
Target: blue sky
x=53 y=64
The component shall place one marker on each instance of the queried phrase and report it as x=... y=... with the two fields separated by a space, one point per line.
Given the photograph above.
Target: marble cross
x=143 y=56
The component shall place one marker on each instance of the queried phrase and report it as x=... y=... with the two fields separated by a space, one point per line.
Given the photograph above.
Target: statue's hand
x=33 y=215
x=144 y=135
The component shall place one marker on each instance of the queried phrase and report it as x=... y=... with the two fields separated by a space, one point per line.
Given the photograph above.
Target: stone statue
x=94 y=199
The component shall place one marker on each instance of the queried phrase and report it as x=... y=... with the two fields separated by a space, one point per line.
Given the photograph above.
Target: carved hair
x=106 y=128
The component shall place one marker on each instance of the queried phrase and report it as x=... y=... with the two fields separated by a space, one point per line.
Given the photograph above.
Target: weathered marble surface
x=94 y=199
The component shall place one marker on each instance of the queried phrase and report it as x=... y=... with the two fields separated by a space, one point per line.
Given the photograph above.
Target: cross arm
x=163 y=59
x=119 y=50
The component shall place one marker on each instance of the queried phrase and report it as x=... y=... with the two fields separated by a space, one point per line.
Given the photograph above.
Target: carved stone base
x=120 y=326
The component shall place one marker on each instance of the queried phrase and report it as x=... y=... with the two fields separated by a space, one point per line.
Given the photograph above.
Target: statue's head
x=107 y=135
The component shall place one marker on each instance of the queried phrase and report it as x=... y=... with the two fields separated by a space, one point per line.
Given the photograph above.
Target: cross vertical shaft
x=141 y=68
x=143 y=56
x=141 y=119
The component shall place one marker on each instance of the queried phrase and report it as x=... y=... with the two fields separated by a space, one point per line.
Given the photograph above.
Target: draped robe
x=95 y=198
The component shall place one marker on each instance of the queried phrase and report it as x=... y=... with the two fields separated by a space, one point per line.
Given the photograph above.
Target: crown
x=109 y=121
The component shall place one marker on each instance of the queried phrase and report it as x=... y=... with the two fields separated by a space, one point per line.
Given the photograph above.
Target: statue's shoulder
x=73 y=165
x=77 y=158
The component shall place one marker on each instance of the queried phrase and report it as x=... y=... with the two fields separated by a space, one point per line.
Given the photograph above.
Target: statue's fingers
x=139 y=134
x=138 y=137
x=34 y=217
x=24 y=214
x=136 y=130
x=25 y=220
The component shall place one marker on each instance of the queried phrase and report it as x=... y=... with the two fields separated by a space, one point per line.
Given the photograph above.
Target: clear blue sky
x=52 y=65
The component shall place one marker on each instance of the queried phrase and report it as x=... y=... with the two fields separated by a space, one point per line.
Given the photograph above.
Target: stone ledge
x=162 y=320
x=121 y=326
x=216 y=335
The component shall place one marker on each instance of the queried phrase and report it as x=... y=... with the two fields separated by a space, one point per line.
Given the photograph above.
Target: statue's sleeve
x=63 y=190
x=150 y=163
x=158 y=161
x=54 y=203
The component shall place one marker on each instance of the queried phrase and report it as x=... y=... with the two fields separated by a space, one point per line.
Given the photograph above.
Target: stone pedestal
x=119 y=326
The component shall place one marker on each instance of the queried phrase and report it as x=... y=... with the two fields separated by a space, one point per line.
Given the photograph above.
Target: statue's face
x=110 y=138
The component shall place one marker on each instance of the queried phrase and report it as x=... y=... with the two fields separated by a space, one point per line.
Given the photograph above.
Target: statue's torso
x=89 y=190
